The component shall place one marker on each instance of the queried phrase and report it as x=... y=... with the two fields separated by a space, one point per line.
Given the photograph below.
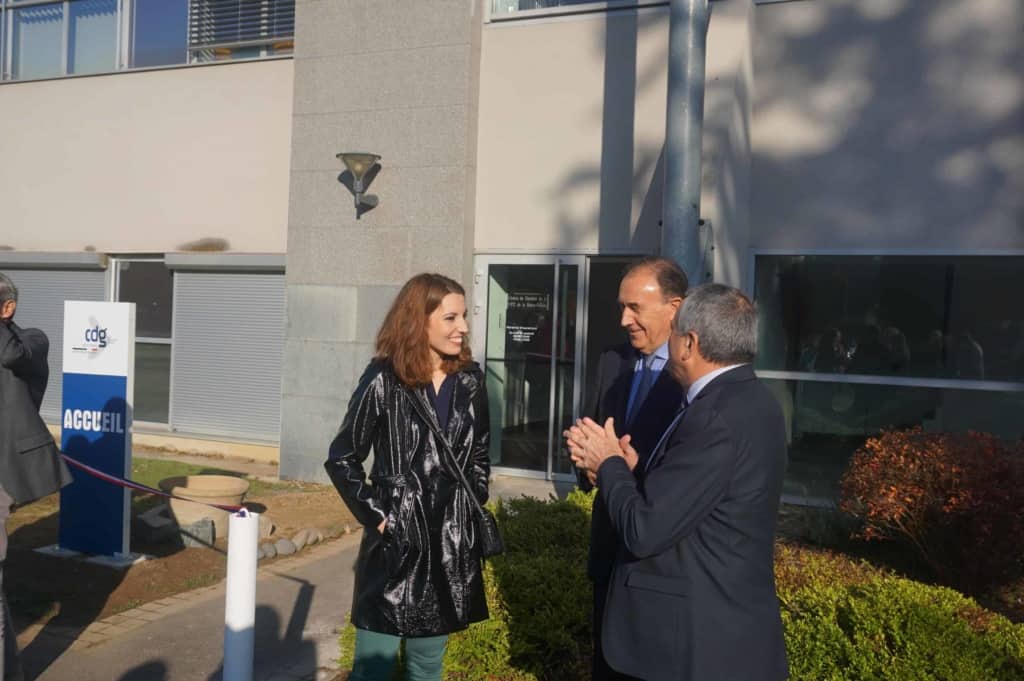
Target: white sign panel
x=99 y=338
x=96 y=421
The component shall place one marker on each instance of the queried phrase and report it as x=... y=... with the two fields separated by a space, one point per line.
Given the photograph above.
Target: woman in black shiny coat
x=418 y=574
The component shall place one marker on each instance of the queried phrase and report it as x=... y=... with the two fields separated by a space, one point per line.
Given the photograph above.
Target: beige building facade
x=863 y=168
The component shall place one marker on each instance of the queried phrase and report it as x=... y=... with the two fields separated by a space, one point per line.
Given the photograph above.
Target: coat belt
x=391 y=480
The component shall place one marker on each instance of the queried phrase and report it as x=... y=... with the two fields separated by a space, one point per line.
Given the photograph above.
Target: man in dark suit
x=632 y=388
x=692 y=594
x=30 y=465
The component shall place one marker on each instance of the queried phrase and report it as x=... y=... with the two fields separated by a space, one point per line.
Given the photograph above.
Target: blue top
x=442 y=399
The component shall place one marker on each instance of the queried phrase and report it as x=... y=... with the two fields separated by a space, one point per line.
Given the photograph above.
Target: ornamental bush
x=844 y=620
x=847 y=621
x=956 y=500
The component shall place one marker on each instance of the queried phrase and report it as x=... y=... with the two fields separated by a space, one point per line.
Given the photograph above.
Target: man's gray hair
x=8 y=291
x=724 y=320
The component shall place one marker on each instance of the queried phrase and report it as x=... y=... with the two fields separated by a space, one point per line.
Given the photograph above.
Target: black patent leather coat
x=422 y=575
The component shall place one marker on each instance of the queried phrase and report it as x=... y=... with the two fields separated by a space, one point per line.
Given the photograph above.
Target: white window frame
x=566 y=10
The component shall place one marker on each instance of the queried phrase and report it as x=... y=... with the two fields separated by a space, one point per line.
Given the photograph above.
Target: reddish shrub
x=957 y=499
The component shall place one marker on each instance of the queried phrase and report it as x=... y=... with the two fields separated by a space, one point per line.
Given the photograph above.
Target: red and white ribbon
x=139 y=487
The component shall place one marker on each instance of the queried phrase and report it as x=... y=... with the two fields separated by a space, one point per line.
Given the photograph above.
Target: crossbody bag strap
x=445 y=447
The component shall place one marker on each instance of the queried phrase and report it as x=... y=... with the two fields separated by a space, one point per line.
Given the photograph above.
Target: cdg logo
x=96 y=335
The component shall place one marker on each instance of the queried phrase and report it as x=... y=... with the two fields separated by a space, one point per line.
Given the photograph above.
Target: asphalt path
x=299 y=612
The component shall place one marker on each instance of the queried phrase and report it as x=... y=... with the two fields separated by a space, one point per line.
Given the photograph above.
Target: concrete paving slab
x=301 y=606
x=300 y=610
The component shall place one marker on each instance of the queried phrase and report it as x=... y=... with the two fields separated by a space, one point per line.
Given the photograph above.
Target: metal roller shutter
x=228 y=348
x=41 y=296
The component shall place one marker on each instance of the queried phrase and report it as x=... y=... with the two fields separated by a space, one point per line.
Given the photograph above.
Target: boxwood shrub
x=844 y=620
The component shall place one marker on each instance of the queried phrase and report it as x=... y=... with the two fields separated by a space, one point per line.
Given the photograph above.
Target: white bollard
x=240 y=603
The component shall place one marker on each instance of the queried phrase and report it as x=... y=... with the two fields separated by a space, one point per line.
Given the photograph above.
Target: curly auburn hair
x=402 y=339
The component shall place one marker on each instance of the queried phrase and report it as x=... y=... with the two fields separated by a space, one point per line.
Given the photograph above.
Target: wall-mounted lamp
x=362 y=168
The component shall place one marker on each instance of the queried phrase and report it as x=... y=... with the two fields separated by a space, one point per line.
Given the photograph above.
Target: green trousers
x=376 y=654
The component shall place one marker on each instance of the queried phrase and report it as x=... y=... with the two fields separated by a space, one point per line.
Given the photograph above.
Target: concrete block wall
x=399 y=80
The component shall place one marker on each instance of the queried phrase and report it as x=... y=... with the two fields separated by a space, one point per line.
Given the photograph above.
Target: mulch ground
x=69 y=592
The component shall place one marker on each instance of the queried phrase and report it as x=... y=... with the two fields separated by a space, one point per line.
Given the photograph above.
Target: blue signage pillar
x=99 y=356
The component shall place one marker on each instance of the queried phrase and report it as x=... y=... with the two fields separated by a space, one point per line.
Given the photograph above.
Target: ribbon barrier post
x=240 y=602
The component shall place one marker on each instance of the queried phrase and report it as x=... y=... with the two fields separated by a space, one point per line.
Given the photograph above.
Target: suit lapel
x=624 y=379
x=737 y=375
x=659 y=448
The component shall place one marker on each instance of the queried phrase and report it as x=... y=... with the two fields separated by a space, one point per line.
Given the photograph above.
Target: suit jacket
x=30 y=465
x=610 y=398
x=692 y=595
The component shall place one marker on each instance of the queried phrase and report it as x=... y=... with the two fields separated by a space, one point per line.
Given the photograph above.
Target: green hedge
x=845 y=621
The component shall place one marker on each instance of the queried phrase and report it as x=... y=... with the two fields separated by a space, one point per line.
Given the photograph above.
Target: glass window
x=828 y=421
x=92 y=36
x=148 y=284
x=240 y=29
x=37 y=41
x=913 y=316
x=159 y=33
x=53 y=39
x=152 y=382
x=500 y=7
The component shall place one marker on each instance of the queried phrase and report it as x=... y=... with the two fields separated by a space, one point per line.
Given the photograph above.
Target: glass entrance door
x=528 y=322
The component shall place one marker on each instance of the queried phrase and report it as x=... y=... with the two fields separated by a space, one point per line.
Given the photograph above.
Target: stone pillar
x=396 y=79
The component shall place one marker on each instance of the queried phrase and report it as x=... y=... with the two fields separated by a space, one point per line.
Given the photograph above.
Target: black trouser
x=600 y=670
x=10 y=665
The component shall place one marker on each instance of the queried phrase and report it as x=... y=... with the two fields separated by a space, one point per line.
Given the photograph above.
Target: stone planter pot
x=212 y=489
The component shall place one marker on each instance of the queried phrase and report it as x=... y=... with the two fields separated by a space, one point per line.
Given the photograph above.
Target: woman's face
x=446 y=326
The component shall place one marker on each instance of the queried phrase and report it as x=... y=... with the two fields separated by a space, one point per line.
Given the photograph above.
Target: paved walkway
x=301 y=603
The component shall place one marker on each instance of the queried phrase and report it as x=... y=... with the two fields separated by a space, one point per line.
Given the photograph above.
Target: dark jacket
x=422 y=576
x=610 y=397
x=692 y=596
x=30 y=464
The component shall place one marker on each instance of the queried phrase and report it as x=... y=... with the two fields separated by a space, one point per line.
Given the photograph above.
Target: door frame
x=481 y=265
x=114 y=295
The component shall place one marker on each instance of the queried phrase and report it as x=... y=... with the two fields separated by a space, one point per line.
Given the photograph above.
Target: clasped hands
x=591 y=444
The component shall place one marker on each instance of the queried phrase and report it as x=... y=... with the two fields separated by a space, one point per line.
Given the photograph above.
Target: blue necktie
x=646 y=379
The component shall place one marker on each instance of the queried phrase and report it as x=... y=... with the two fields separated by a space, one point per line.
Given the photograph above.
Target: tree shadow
x=271 y=645
x=155 y=670
x=71 y=592
x=900 y=119
x=68 y=592
x=867 y=126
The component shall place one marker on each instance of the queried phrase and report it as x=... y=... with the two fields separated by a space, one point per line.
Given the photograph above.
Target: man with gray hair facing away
x=30 y=465
x=692 y=595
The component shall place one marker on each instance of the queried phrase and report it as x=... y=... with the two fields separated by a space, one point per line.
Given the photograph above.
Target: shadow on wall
x=873 y=123
x=621 y=162
x=886 y=121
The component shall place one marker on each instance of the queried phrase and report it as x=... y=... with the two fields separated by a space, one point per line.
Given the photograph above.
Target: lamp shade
x=358 y=162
